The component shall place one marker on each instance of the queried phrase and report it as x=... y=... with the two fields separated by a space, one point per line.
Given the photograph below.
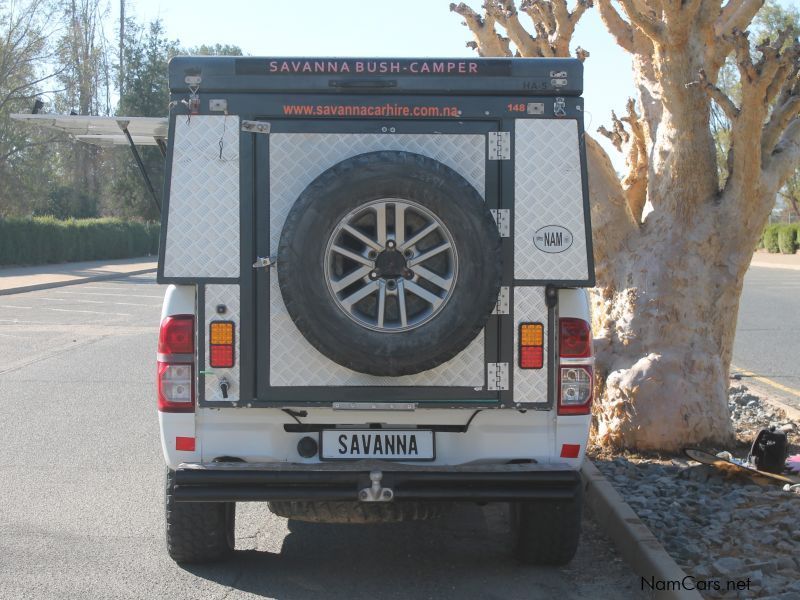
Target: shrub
x=770 y=238
x=42 y=240
x=787 y=239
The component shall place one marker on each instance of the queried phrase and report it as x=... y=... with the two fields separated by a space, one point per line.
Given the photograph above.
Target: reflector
x=531 y=358
x=184 y=443
x=221 y=357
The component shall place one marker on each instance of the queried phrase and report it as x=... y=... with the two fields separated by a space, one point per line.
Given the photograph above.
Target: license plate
x=386 y=444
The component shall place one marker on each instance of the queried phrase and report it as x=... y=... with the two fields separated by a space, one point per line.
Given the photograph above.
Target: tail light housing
x=175 y=375
x=576 y=368
x=531 y=345
x=221 y=337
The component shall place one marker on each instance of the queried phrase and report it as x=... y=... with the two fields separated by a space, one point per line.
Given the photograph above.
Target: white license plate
x=386 y=444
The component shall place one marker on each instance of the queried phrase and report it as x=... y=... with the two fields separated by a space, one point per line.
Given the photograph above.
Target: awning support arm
x=124 y=126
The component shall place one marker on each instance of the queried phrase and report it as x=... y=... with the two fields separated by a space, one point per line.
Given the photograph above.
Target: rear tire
x=198 y=531
x=547 y=532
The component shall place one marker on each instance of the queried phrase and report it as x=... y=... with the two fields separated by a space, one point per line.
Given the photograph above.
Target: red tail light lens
x=177 y=335
x=175 y=377
x=575 y=338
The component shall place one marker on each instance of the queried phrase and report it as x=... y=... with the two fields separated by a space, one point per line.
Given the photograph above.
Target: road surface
x=767 y=341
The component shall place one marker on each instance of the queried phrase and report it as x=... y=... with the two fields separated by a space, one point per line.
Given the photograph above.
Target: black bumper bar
x=243 y=482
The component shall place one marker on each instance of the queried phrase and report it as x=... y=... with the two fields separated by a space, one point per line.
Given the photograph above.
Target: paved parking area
x=81 y=504
x=768 y=331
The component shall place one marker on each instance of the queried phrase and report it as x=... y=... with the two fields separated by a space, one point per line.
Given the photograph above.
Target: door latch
x=263 y=262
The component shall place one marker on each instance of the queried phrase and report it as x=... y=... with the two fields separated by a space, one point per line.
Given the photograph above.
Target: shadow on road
x=466 y=554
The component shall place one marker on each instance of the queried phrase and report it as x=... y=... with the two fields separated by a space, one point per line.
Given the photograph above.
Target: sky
x=402 y=28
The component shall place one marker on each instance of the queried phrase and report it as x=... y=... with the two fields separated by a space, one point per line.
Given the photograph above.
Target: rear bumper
x=372 y=481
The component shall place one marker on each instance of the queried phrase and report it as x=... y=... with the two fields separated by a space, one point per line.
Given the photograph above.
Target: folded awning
x=103 y=131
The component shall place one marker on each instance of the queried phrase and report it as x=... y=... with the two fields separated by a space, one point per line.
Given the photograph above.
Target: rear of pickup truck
x=375 y=304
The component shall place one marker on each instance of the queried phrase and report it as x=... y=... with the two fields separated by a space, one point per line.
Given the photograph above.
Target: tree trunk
x=664 y=337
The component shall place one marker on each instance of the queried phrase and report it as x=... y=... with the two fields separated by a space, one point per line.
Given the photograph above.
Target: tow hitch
x=376 y=493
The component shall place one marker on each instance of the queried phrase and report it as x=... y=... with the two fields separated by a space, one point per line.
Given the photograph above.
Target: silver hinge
x=264 y=262
x=501 y=308
x=256 y=126
x=502 y=216
x=499 y=145
x=497 y=376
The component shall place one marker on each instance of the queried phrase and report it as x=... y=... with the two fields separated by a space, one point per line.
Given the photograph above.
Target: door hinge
x=499 y=145
x=502 y=216
x=501 y=308
x=263 y=262
x=497 y=376
x=256 y=126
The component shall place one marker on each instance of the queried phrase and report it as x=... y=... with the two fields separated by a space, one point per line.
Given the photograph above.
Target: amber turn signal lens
x=221 y=332
x=531 y=334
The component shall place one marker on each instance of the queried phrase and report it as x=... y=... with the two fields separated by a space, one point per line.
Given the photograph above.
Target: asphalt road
x=81 y=500
x=768 y=331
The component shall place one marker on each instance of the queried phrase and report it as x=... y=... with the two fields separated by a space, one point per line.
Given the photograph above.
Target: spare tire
x=389 y=263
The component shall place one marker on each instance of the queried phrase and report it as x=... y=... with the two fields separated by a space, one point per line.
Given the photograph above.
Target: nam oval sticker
x=553 y=239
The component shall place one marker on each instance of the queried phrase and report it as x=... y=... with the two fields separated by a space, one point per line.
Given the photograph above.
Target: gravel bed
x=720 y=528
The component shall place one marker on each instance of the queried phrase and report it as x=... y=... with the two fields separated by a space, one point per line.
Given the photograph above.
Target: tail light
x=221 y=337
x=531 y=345
x=176 y=364
x=576 y=376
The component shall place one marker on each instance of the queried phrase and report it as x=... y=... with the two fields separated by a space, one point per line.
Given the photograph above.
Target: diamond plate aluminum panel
x=548 y=191
x=203 y=221
x=293 y=361
x=228 y=295
x=530 y=385
x=296 y=159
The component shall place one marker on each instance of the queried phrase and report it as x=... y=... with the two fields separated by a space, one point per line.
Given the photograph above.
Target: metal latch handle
x=263 y=262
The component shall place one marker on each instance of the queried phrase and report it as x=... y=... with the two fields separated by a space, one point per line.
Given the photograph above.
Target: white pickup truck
x=375 y=304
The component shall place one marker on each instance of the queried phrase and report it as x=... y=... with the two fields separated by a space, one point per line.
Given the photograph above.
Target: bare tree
x=672 y=243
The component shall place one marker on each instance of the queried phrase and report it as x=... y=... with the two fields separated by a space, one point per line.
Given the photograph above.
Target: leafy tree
x=24 y=55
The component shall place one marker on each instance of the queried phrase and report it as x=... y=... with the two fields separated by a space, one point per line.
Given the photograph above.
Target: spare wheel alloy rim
x=391 y=265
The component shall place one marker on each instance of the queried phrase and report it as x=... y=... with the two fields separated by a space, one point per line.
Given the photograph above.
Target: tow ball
x=376 y=493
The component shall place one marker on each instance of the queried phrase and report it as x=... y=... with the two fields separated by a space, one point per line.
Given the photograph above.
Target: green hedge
x=787 y=239
x=781 y=237
x=43 y=240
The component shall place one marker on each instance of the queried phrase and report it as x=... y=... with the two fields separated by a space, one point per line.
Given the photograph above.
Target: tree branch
x=553 y=23
x=634 y=146
x=716 y=94
x=785 y=157
x=651 y=28
x=506 y=15
x=786 y=109
x=487 y=41
x=620 y=29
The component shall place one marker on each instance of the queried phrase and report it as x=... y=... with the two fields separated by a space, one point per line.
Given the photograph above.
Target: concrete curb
x=638 y=546
x=55 y=284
